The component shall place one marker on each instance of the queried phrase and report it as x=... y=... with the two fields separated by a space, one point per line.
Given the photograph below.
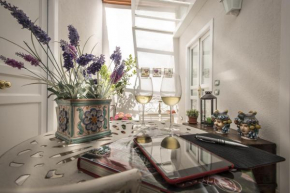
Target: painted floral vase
x=248 y=125
x=221 y=122
x=83 y=120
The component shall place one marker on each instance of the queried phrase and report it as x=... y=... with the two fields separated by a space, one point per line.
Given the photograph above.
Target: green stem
x=15 y=44
x=42 y=78
x=56 y=63
x=47 y=70
x=34 y=45
x=59 y=73
x=86 y=43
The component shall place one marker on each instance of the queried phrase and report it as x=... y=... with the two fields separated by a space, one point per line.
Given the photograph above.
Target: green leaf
x=53 y=92
x=50 y=95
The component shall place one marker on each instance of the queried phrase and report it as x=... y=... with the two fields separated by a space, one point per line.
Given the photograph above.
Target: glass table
x=45 y=161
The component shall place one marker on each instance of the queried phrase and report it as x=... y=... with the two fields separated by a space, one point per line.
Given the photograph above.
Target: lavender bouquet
x=77 y=75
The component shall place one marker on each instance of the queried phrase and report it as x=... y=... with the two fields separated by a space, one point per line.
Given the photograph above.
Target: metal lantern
x=208 y=104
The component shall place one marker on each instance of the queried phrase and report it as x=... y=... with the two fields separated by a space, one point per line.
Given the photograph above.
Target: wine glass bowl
x=171 y=92
x=170 y=100
x=143 y=99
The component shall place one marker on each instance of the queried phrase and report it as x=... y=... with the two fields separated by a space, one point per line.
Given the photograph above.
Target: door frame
x=284 y=101
x=208 y=28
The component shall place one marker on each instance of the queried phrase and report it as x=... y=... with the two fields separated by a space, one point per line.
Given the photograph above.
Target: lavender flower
x=73 y=36
x=26 y=23
x=69 y=54
x=40 y=35
x=18 y=14
x=67 y=61
x=96 y=65
x=12 y=62
x=118 y=73
x=68 y=48
x=28 y=58
x=83 y=60
x=116 y=56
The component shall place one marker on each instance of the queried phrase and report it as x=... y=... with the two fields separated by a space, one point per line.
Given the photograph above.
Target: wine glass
x=170 y=92
x=143 y=92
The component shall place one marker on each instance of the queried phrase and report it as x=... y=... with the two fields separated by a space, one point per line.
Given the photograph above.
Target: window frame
x=118 y=2
x=206 y=31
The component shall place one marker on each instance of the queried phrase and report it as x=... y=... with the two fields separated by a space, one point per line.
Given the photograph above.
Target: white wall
x=245 y=59
x=86 y=17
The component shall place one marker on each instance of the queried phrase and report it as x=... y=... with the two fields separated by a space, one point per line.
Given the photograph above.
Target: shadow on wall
x=127 y=104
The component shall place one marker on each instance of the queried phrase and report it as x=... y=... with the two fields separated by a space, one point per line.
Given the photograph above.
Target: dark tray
x=242 y=158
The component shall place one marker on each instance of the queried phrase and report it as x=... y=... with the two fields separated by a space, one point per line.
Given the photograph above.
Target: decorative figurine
x=248 y=125
x=221 y=121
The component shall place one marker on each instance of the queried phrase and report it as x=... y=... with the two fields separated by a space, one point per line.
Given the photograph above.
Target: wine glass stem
x=143 y=122
x=170 y=125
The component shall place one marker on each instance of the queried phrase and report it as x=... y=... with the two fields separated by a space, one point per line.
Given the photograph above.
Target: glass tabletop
x=187 y=162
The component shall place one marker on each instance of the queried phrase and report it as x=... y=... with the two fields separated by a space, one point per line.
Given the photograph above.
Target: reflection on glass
x=205 y=158
x=194 y=66
x=208 y=108
x=205 y=77
x=188 y=160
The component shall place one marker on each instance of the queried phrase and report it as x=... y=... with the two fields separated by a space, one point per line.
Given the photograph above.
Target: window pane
x=152 y=40
x=152 y=60
x=194 y=104
x=206 y=62
x=155 y=24
x=193 y=92
x=194 y=66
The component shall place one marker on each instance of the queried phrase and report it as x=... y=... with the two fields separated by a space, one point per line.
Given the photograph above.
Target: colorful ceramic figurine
x=221 y=121
x=248 y=125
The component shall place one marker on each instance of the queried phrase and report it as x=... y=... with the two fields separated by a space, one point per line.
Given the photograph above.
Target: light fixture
x=232 y=7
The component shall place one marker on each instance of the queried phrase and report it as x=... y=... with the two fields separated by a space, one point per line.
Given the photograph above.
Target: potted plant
x=192 y=116
x=81 y=82
x=209 y=121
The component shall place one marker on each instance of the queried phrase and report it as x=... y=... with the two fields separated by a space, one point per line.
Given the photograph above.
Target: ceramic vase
x=83 y=120
x=221 y=122
x=248 y=125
